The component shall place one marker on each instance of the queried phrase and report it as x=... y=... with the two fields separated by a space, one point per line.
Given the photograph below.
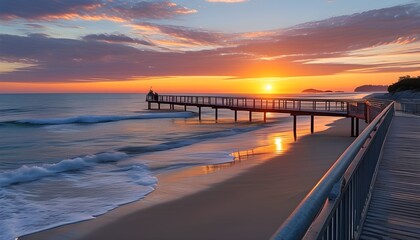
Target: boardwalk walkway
x=394 y=211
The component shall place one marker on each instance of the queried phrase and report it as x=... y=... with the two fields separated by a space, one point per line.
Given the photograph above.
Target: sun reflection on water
x=278 y=142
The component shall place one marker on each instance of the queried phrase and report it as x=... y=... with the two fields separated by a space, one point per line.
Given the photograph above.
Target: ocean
x=65 y=158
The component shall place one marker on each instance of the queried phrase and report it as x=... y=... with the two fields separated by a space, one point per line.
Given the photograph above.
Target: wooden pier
x=394 y=209
x=354 y=109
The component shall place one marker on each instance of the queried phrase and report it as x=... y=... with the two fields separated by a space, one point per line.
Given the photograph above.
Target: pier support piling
x=216 y=114
x=294 y=127
x=185 y=108
x=312 y=123
x=265 y=116
x=236 y=115
x=159 y=106
x=199 y=113
x=352 y=126
x=250 y=116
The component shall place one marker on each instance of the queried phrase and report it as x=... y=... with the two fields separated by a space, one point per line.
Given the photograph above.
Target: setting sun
x=268 y=87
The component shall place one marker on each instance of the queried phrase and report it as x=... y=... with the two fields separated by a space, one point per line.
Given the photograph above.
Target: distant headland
x=372 y=88
x=405 y=83
x=406 y=87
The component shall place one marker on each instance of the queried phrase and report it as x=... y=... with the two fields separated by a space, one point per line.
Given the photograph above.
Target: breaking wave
x=32 y=173
x=100 y=119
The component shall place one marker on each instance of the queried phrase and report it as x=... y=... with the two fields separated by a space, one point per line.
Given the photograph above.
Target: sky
x=199 y=46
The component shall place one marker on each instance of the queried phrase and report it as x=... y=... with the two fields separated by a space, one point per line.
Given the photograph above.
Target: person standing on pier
x=150 y=95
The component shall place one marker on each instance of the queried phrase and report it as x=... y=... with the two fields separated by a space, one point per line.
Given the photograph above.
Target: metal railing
x=300 y=104
x=408 y=106
x=335 y=207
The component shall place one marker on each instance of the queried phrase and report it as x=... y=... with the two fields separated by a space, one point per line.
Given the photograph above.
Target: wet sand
x=251 y=205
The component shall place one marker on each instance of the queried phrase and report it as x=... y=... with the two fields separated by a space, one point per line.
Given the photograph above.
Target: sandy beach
x=251 y=205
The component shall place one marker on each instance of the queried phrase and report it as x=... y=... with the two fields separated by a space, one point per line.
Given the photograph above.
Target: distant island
x=312 y=90
x=371 y=88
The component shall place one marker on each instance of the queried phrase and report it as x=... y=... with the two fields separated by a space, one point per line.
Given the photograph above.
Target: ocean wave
x=100 y=119
x=189 y=140
x=11 y=110
x=32 y=173
x=32 y=209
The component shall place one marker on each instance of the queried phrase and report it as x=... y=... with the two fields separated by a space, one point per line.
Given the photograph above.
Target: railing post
x=357 y=127
x=366 y=112
x=348 y=108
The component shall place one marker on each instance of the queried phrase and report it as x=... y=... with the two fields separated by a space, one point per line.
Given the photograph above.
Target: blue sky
x=246 y=16
x=259 y=15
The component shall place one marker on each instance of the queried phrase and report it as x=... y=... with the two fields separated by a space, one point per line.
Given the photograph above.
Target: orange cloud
x=92 y=10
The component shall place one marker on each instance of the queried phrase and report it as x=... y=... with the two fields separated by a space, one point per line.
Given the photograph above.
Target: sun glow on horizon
x=209 y=84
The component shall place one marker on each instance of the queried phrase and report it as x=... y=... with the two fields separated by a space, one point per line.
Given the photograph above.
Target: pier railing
x=336 y=206
x=299 y=104
x=408 y=106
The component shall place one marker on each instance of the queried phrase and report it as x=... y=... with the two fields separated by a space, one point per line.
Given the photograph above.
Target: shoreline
x=152 y=211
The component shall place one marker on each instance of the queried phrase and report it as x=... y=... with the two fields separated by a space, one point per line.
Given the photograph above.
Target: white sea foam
x=33 y=173
x=37 y=206
x=101 y=119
